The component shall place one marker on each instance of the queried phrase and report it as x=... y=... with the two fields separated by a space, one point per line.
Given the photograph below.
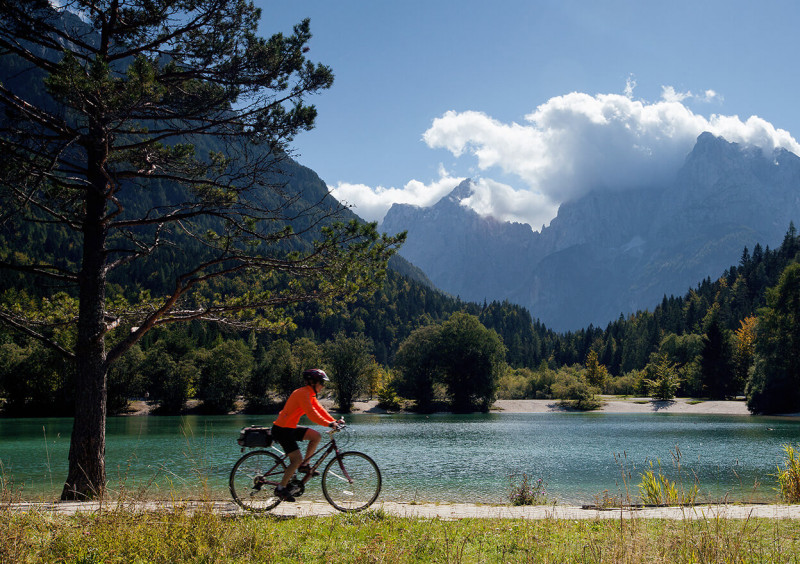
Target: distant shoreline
x=610 y=404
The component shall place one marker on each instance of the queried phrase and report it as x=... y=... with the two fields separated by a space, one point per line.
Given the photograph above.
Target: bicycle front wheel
x=351 y=481
x=253 y=480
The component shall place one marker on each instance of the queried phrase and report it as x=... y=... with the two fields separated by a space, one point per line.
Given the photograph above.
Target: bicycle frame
x=321 y=454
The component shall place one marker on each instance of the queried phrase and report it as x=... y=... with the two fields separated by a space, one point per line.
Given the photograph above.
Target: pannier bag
x=252 y=437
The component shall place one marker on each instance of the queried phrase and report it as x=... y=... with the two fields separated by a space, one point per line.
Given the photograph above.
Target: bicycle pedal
x=296 y=488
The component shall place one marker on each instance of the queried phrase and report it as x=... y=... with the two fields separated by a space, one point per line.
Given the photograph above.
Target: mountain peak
x=461 y=192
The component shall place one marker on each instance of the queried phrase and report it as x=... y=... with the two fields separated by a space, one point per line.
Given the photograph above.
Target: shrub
x=575 y=393
x=628 y=384
x=539 y=386
x=388 y=399
x=226 y=370
x=528 y=491
x=515 y=383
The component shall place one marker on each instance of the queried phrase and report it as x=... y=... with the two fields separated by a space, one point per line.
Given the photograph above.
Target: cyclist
x=302 y=401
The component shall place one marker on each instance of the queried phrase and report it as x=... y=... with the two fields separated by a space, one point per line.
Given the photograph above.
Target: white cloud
x=577 y=143
x=630 y=85
x=565 y=148
x=373 y=203
x=668 y=94
x=501 y=201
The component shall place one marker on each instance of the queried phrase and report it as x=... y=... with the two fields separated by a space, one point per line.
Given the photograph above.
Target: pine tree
x=182 y=102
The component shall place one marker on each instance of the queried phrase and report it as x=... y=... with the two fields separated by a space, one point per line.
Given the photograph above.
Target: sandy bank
x=632 y=405
x=610 y=405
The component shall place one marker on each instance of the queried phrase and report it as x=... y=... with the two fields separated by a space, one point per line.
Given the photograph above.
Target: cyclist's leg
x=288 y=437
x=313 y=437
x=295 y=459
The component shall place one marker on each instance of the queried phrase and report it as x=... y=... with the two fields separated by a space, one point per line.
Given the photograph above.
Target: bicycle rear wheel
x=351 y=481
x=253 y=480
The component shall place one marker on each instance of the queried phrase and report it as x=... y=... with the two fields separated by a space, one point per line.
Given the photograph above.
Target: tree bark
x=86 y=477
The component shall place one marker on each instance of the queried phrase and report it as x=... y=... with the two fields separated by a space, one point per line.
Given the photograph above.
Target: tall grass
x=789 y=475
x=178 y=536
x=657 y=489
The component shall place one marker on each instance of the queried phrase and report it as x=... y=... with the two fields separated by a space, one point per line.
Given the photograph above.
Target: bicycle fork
x=347 y=477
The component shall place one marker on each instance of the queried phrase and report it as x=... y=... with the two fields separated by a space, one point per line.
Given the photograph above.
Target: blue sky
x=538 y=101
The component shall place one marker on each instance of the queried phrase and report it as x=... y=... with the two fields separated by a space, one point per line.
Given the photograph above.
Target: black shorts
x=288 y=437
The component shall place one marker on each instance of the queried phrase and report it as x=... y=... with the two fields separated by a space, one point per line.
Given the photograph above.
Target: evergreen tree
x=716 y=358
x=157 y=139
x=774 y=386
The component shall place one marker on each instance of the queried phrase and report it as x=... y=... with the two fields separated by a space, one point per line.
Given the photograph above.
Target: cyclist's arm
x=315 y=411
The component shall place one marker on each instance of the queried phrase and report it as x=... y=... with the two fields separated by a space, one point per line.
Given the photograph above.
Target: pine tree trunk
x=87 y=476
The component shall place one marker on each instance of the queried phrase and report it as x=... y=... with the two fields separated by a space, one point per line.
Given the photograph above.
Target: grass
x=179 y=536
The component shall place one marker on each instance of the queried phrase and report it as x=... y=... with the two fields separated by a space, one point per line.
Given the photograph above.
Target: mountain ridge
x=611 y=252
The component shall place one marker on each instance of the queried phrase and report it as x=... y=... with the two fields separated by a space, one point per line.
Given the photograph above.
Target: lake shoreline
x=610 y=404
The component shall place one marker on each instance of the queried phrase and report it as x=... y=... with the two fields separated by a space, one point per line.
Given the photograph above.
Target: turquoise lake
x=464 y=458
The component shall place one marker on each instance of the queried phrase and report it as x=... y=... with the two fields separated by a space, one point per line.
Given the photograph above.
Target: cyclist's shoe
x=306 y=469
x=284 y=494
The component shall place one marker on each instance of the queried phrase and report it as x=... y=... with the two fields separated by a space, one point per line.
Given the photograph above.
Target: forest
x=728 y=337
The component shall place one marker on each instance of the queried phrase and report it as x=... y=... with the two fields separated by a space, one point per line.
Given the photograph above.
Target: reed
x=657 y=489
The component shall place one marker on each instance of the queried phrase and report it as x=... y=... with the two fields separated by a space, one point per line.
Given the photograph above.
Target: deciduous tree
x=350 y=360
x=596 y=373
x=417 y=359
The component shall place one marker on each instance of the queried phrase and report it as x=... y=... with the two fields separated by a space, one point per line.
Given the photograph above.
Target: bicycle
x=351 y=481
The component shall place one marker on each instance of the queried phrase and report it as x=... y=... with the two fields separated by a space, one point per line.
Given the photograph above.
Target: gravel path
x=446 y=511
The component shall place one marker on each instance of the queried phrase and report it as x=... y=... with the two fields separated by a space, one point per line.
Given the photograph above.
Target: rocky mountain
x=613 y=252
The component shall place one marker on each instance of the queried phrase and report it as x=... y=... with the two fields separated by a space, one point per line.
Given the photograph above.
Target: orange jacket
x=303 y=401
